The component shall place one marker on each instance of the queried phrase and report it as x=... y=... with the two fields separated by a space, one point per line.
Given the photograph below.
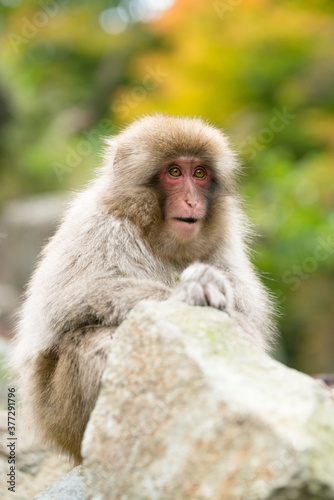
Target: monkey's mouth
x=189 y=220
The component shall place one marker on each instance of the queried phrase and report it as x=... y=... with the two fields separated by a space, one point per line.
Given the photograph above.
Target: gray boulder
x=71 y=486
x=187 y=410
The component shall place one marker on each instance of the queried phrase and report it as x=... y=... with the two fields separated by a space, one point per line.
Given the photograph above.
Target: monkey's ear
x=114 y=169
x=126 y=165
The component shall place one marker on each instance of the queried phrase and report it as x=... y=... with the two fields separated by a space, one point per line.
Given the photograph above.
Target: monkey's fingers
x=191 y=293
x=204 y=274
x=215 y=298
x=198 y=272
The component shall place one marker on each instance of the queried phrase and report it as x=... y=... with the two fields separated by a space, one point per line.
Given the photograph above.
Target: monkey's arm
x=104 y=301
x=107 y=301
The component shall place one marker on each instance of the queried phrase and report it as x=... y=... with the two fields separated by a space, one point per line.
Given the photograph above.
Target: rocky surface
x=69 y=487
x=189 y=411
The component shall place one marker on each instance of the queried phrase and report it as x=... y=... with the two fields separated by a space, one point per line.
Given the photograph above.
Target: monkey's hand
x=201 y=285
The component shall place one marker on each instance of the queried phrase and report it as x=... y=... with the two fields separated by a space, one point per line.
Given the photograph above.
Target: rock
x=187 y=410
x=71 y=486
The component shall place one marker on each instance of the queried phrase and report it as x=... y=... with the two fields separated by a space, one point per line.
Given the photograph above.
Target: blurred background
x=75 y=71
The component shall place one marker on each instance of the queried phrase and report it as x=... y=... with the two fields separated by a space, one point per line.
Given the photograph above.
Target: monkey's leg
x=66 y=386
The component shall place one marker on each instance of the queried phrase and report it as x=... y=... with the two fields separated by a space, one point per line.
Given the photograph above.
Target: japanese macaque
x=161 y=221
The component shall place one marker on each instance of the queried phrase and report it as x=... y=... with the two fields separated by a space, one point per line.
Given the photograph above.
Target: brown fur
x=74 y=367
x=114 y=249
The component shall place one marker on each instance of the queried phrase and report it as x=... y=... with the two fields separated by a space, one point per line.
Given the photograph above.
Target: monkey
x=162 y=220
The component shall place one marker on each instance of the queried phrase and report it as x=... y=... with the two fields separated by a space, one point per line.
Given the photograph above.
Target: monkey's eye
x=174 y=172
x=200 y=173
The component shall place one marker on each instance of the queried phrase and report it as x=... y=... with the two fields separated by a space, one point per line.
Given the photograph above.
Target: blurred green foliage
x=261 y=69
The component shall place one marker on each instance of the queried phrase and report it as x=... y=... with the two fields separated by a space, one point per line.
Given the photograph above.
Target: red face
x=185 y=182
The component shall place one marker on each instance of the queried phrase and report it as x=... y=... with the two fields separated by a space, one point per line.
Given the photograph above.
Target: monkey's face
x=185 y=184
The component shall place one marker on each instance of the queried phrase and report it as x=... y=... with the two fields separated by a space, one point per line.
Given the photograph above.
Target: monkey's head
x=174 y=179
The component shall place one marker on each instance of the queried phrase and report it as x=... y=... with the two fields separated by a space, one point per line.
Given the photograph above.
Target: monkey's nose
x=191 y=202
